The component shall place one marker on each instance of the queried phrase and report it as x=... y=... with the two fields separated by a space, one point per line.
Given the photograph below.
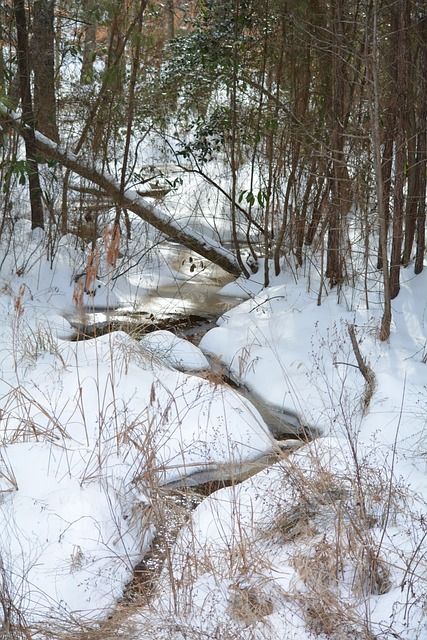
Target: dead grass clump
x=316 y=500
x=331 y=568
x=336 y=622
x=217 y=374
x=249 y=604
x=328 y=522
x=371 y=575
x=8 y=483
x=317 y=565
x=293 y=523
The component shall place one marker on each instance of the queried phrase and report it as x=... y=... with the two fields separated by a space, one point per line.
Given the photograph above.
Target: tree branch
x=364 y=368
x=178 y=231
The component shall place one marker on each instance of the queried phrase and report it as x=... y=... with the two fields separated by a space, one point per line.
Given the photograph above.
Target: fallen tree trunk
x=174 y=229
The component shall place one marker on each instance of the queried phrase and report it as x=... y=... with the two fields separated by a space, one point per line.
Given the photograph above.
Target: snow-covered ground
x=329 y=541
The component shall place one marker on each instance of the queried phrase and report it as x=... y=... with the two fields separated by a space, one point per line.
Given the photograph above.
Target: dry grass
x=323 y=567
x=326 y=523
x=249 y=604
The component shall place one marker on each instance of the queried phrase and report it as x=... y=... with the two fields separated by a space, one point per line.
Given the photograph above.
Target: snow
x=63 y=547
x=179 y=353
x=88 y=428
x=92 y=431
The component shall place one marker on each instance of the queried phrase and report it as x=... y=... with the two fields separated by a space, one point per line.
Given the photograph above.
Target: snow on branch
x=190 y=238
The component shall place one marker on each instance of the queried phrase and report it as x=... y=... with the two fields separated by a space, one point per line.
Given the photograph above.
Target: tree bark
x=88 y=54
x=89 y=42
x=400 y=156
x=413 y=187
x=420 y=233
x=374 y=111
x=386 y=165
x=420 y=230
x=43 y=61
x=170 y=18
x=388 y=115
x=339 y=178
x=28 y=132
x=131 y=110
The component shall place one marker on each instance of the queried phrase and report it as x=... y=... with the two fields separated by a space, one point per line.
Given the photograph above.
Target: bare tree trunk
x=374 y=109
x=117 y=39
x=92 y=117
x=302 y=71
x=413 y=188
x=43 y=62
x=334 y=265
x=389 y=111
x=28 y=132
x=170 y=17
x=301 y=216
x=2 y=65
x=421 y=212
x=412 y=139
x=422 y=148
x=386 y=165
x=396 y=248
x=131 y=108
x=319 y=207
x=233 y=142
x=88 y=54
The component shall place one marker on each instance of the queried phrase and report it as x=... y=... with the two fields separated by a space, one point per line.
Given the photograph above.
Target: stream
x=189 y=308
x=190 y=303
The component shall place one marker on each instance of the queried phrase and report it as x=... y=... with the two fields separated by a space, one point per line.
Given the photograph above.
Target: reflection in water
x=194 y=292
x=191 y=297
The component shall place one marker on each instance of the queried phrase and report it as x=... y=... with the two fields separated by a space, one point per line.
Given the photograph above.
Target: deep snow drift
x=329 y=540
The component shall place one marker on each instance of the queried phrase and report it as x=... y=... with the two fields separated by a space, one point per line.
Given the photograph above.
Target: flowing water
x=191 y=301
x=189 y=308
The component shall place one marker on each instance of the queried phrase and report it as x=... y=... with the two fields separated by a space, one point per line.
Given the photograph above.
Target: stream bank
x=189 y=309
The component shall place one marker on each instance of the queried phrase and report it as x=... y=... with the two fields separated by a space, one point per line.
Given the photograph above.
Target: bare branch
x=178 y=231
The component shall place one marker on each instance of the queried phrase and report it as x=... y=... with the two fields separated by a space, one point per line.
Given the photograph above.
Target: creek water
x=189 y=307
x=190 y=299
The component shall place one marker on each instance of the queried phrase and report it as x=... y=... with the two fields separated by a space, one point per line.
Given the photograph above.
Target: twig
x=364 y=369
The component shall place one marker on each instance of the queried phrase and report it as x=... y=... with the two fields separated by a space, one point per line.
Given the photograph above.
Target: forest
x=317 y=111
x=274 y=152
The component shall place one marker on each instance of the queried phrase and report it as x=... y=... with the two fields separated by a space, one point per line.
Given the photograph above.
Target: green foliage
x=203 y=59
x=207 y=136
x=18 y=169
x=261 y=197
x=174 y=184
x=5 y=100
x=99 y=12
